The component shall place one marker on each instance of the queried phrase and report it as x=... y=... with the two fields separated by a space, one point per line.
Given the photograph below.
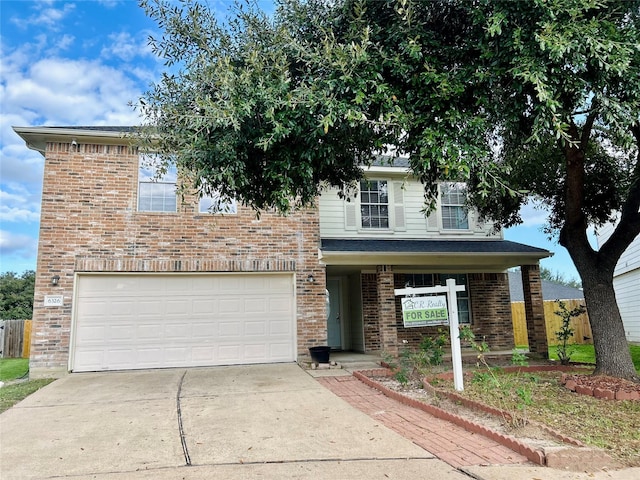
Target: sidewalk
x=449 y=442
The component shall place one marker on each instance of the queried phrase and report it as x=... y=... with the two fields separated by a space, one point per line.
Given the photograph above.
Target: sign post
x=432 y=310
x=456 y=351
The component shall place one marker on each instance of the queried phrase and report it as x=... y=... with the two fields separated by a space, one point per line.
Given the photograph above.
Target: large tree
x=16 y=295
x=538 y=98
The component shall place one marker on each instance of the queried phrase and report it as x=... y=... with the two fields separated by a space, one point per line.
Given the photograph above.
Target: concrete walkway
x=261 y=421
x=449 y=442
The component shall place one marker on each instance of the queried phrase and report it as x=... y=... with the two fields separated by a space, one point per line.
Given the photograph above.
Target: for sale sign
x=425 y=311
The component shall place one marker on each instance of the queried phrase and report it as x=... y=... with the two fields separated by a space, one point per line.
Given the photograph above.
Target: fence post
x=2 y=330
x=12 y=338
x=26 y=339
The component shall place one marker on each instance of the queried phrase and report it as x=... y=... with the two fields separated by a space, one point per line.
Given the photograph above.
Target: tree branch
x=588 y=126
x=629 y=226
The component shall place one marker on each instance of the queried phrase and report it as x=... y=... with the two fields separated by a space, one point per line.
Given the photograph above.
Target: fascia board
x=37 y=138
x=471 y=259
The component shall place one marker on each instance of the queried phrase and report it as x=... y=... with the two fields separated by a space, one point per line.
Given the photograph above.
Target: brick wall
x=90 y=222
x=387 y=310
x=491 y=309
x=370 y=313
x=534 y=310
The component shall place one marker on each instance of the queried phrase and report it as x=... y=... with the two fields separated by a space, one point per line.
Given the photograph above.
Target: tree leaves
x=16 y=295
x=305 y=97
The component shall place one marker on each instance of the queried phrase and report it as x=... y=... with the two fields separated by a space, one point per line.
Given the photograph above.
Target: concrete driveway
x=261 y=421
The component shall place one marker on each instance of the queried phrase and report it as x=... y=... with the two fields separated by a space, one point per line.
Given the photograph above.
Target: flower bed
x=567 y=453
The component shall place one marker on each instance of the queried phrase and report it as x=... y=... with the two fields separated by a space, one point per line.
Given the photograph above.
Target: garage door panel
x=229 y=305
x=204 y=306
x=91 y=358
x=153 y=321
x=121 y=357
x=255 y=352
x=147 y=308
x=121 y=332
x=282 y=328
x=92 y=333
x=177 y=332
x=229 y=330
x=280 y=350
x=256 y=328
x=255 y=305
x=229 y=354
x=206 y=330
x=203 y=354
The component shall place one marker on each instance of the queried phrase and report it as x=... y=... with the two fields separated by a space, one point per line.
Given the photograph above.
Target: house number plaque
x=53 y=300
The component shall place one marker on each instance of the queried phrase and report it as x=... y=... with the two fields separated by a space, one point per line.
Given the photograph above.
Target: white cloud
x=45 y=15
x=14 y=245
x=19 y=206
x=533 y=214
x=109 y=3
x=126 y=47
x=65 y=42
x=70 y=92
x=13 y=214
x=50 y=91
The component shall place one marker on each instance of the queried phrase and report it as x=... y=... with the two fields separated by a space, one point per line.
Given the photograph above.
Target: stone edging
x=552 y=459
x=532 y=454
x=600 y=393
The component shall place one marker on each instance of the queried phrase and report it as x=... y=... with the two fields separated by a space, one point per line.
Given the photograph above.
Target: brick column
x=387 y=310
x=370 y=314
x=534 y=310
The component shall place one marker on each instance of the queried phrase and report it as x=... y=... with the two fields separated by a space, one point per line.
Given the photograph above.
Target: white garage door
x=138 y=321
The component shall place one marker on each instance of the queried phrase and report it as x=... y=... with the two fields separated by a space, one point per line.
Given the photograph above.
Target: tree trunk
x=612 y=351
x=596 y=268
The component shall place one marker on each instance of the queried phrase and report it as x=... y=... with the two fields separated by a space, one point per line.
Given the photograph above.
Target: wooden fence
x=582 y=329
x=15 y=338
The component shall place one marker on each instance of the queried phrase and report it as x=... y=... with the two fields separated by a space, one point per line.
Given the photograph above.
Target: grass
x=586 y=354
x=14 y=369
x=12 y=394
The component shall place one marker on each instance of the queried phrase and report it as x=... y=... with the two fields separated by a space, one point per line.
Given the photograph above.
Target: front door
x=334 y=326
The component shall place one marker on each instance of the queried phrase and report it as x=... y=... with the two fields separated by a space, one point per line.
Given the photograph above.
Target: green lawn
x=12 y=394
x=13 y=368
x=586 y=354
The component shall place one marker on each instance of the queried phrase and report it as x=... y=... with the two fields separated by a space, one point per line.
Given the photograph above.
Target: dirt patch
x=531 y=434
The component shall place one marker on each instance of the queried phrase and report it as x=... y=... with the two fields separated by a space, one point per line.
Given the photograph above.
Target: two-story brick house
x=133 y=275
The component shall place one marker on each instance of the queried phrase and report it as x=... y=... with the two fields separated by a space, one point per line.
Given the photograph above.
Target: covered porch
x=364 y=314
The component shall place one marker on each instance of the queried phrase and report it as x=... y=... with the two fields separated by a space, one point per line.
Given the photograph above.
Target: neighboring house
x=626 y=282
x=551 y=292
x=131 y=275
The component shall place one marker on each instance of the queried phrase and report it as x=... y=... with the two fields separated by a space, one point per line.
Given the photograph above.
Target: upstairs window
x=156 y=185
x=374 y=204
x=214 y=203
x=454 y=215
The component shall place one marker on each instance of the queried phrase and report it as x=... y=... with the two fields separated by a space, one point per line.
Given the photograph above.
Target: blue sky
x=81 y=63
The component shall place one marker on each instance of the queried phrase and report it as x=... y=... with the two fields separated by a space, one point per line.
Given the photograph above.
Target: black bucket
x=320 y=354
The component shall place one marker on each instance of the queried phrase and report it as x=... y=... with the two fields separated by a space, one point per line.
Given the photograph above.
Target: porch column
x=387 y=310
x=534 y=310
